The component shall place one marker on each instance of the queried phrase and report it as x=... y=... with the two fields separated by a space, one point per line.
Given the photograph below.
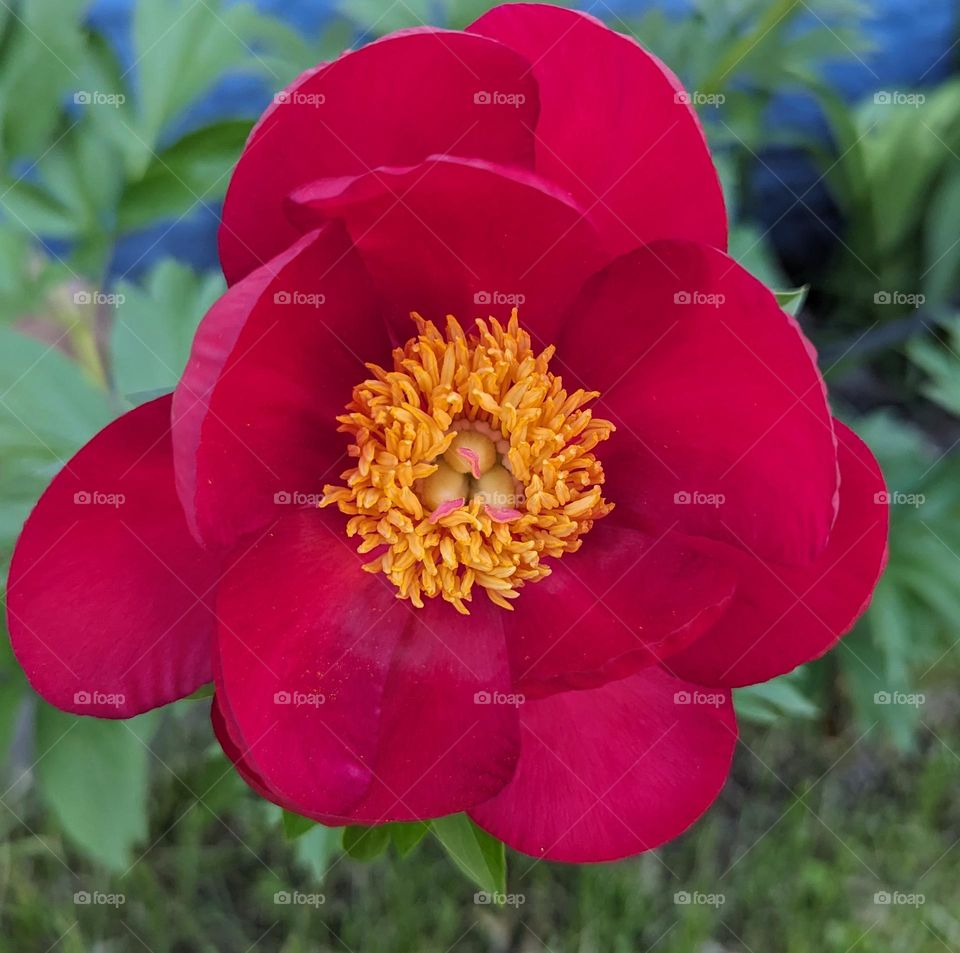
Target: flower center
x=474 y=464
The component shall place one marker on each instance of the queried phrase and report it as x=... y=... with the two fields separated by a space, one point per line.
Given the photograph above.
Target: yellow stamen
x=530 y=440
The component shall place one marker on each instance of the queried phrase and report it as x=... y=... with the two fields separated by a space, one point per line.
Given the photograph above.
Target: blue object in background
x=912 y=40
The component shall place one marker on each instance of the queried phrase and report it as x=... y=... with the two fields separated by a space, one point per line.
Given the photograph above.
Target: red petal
x=233 y=749
x=623 y=601
x=615 y=129
x=782 y=617
x=273 y=363
x=462 y=237
x=353 y=705
x=615 y=770
x=723 y=425
x=107 y=602
x=393 y=102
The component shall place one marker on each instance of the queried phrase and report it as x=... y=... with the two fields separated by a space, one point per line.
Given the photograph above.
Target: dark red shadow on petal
x=616 y=128
x=392 y=102
x=782 y=617
x=613 y=771
x=351 y=705
x=273 y=364
x=723 y=428
x=462 y=237
x=624 y=601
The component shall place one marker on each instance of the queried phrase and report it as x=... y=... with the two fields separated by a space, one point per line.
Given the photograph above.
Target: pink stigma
x=444 y=508
x=502 y=514
x=471 y=457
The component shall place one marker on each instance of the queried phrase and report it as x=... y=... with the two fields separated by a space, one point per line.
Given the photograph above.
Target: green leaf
x=373 y=15
x=192 y=171
x=92 y=774
x=941 y=248
x=941 y=362
x=365 y=843
x=295 y=825
x=773 y=700
x=48 y=410
x=406 y=836
x=792 y=301
x=478 y=855
x=27 y=276
x=314 y=849
x=155 y=324
x=39 y=66
x=204 y=691
x=13 y=691
x=182 y=49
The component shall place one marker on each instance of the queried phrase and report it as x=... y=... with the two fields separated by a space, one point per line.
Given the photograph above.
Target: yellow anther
x=479 y=417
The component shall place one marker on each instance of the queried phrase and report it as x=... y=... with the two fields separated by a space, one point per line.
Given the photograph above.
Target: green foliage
x=792 y=301
x=125 y=120
x=155 y=324
x=47 y=32
x=365 y=843
x=192 y=171
x=781 y=698
x=748 y=51
x=940 y=362
x=41 y=426
x=910 y=627
x=406 y=836
x=93 y=775
x=479 y=856
x=294 y=825
x=896 y=178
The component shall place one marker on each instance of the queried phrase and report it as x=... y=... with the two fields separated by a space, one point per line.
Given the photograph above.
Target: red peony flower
x=509 y=562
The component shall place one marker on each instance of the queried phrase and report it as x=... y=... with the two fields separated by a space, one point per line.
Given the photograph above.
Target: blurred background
x=836 y=128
